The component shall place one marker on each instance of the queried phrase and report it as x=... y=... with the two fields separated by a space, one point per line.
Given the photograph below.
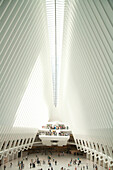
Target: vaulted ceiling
x=85 y=93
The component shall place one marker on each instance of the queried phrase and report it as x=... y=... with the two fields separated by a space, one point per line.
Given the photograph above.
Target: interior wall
x=85 y=100
x=24 y=38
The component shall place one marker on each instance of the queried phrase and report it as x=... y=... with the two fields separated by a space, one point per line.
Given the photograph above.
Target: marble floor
x=62 y=161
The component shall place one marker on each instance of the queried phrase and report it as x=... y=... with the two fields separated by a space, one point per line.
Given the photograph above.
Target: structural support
x=95 y=159
x=90 y=157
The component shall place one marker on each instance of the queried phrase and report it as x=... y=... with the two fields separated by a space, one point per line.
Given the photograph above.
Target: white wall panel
x=86 y=89
x=24 y=40
x=85 y=100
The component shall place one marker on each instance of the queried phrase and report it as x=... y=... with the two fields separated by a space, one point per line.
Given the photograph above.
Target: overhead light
x=55 y=18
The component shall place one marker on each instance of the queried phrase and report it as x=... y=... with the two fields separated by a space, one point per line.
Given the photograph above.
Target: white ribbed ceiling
x=85 y=97
x=24 y=41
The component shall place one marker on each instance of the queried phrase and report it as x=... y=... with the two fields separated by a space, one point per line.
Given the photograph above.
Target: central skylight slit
x=55 y=17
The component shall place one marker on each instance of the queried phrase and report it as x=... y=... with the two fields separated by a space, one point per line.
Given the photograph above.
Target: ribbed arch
x=86 y=77
x=24 y=36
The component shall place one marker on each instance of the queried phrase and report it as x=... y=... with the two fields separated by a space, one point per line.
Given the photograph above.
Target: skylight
x=55 y=17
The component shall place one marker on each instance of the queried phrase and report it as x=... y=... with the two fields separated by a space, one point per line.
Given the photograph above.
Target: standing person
x=10 y=164
x=4 y=167
x=75 y=161
x=50 y=164
x=55 y=162
x=44 y=162
x=18 y=163
x=20 y=166
x=58 y=154
x=30 y=164
x=33 y=164
x=95 y=165
x=87 y=166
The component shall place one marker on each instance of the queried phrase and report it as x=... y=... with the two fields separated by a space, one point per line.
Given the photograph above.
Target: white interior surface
x=85 y=96
x=61 y=140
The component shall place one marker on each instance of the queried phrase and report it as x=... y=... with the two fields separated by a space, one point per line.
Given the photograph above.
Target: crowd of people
x=21 y=164
x=40 y=162
x=55 y=126
x=54 y=133
x=51 y=163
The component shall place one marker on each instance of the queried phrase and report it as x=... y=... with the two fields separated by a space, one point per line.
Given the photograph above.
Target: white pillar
x=104 y=164
x=1 y=143
x=108 y=164
x=95 y=159
x=87 y=155
x=110 y=151
x=8 y=157
x=16 y=155
x=2 y=160
x=90 y=157
x=99 y=162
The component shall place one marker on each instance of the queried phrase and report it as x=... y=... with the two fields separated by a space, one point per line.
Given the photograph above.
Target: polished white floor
x=62 y=162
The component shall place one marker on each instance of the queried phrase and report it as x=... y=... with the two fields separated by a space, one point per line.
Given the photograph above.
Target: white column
x=95 y=159
x=2 y=160
x=16 y=155
x=110 y=151
x=104 y=164
x=12 y=156
x=1 y=143
x=90 y=157
x=99 y=162
x=8 y=157
x=108 y=164
x=87 y=156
